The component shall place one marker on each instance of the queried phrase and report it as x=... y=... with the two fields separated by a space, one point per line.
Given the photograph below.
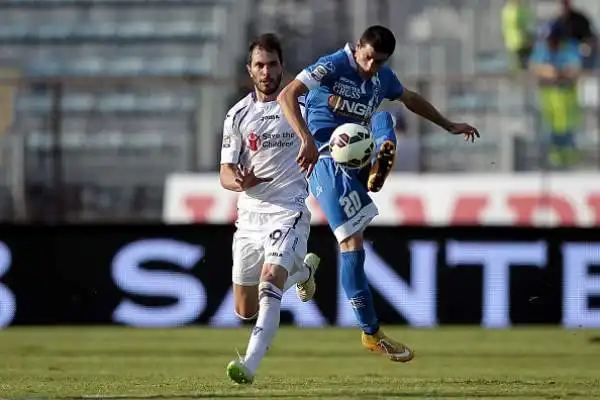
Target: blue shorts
x=343 y=197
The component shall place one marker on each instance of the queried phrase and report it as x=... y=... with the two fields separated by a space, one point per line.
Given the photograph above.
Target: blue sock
x=356 y=286
x=382 y=127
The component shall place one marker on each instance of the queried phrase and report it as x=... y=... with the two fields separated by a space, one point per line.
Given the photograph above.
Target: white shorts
x=276 y=238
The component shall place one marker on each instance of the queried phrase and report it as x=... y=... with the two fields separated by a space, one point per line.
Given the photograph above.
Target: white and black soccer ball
x=351 y=145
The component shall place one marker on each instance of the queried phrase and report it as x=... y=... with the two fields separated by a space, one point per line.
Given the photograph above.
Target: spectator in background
x=518 y=28
x=557 y=65
x=579 y=28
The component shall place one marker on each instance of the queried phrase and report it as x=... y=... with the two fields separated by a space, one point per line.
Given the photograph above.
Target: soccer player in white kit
x=258 y=159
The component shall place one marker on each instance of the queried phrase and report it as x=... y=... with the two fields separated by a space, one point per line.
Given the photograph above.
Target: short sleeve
x=538 y=55
x=319 y=73
x=231 y=145
x=573 y=58
x=394 y=87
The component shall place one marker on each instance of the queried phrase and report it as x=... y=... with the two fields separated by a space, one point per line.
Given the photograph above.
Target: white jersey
x=256 y=134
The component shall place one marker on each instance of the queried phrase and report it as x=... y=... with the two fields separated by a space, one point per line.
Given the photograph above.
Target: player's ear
x=249 y=70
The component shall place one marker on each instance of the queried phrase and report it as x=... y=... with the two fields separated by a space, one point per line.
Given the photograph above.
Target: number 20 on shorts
x=351 y=204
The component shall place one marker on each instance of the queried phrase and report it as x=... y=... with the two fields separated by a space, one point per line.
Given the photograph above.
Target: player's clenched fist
x=308 y=155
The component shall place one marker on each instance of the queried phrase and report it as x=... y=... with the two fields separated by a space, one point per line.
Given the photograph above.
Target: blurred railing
x=504 y=107
x=99 y=149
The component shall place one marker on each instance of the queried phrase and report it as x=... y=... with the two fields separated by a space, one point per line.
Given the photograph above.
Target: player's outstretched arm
x=420 y=106
x=288 y=101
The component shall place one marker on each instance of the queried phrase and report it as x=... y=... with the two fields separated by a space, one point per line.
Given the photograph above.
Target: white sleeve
x=309 y=81
x=232 y=141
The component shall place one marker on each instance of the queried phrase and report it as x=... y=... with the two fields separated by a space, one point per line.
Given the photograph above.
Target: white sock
x=301 y=275
x=269 y=309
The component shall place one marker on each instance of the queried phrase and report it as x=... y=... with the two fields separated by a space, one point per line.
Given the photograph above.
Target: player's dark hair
x=380 y=38
x=268 y=42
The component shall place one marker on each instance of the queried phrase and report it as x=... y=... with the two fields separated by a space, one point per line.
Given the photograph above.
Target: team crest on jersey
x=253 y=141
x=321 y=70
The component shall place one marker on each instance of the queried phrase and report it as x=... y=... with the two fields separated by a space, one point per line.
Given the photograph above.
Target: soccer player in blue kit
x=348 y=86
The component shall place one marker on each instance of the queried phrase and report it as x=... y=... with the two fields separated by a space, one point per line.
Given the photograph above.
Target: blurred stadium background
x=102 y=99
x=110 y=119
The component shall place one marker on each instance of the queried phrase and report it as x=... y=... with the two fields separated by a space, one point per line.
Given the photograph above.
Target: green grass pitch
x=450 y=363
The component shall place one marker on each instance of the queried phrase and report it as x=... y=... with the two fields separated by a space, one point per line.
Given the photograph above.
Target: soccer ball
x=351 y=145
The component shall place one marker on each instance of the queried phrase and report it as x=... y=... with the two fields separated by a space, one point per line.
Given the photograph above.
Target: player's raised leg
x=301 y=265
x=349 y=209
x=382 y=126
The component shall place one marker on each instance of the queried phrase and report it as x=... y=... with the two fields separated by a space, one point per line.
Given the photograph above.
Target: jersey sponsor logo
x=269 y=118
x=349 y=108
x=348 y=81
x=226 y=142
x=321 y=70
x=253 y=141
x=278 y=140
x=346 y=90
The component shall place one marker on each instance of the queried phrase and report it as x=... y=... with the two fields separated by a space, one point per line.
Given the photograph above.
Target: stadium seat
x=52 y=31
x=10 y=32
x=136 y=29
x=90 y=66
x=107 y=31
x=44 y=68
x=78 y=103
x=96 y=30
x=125 y=66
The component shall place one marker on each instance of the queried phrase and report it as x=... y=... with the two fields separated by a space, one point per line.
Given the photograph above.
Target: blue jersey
x=338 y=95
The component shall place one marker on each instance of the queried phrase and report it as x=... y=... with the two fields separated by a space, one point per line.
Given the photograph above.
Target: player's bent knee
x=275 y=274
x=245 y=314
x=245 y=301
x=351 y=243
x=246 y=309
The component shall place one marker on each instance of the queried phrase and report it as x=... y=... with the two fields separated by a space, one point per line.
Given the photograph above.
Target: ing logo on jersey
x=253 y=141
x=349 y=108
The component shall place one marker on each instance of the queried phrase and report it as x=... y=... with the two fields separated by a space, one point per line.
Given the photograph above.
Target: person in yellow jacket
x=556 y=63
x=518 y=29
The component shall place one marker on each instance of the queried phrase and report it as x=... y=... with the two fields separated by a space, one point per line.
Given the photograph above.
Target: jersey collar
x=348 y=50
